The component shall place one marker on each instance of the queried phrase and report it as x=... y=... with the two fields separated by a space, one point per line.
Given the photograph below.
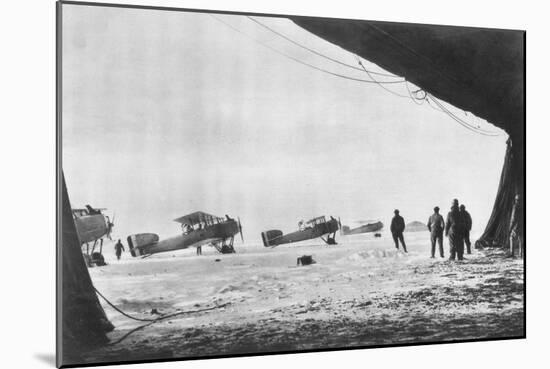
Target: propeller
x=110 y=225
x=240 y=229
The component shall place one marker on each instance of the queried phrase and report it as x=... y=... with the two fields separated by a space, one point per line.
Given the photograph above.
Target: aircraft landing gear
x=224 y=248
x=331 y=240
x=95 y=244
x=94 y=258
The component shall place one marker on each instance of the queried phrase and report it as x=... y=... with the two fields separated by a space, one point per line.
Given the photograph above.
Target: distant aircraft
x=316 y=227
x=364 y=228
x=198 y=229
x=92 y=226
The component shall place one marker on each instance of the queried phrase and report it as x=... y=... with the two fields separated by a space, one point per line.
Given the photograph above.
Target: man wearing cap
x=436 y=225
x=454 y=229
x=397 y=227
x=468 y=227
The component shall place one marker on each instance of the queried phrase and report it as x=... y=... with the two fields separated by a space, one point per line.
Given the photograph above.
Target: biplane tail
x=138 y=242
x=269 y=236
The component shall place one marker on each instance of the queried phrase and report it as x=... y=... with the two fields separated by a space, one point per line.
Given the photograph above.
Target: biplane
x=316 y=227
x=92 y=226
x=197 y=229
x=366 y=227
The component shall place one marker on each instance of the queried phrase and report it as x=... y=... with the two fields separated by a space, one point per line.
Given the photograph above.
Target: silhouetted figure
x=119 y=248
x=186 y=228
x=92 y=211
x=199 y=250
x=468 y=227
x=436 y=225
x=454 y=229
x=397 y=227
x=516 y=227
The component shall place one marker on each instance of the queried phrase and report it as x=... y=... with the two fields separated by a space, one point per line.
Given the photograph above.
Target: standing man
x=454 y=229
x=436 y=225
x=468 y=227
x=199 y=250
x=119 y=248
x=397 y=227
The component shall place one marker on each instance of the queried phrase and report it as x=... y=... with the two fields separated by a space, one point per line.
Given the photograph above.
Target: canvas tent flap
x=83 y=320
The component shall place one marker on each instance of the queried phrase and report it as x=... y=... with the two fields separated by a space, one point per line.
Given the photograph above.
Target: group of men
x=457 y=228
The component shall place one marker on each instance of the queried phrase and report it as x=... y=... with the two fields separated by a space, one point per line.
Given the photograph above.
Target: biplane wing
x=196 y=217
x=84 y=209
x=80 y=212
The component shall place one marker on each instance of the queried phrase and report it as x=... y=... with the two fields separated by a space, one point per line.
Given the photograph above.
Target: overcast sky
x=166 y=113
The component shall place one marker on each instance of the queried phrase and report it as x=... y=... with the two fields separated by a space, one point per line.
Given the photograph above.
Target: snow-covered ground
x=360 y=292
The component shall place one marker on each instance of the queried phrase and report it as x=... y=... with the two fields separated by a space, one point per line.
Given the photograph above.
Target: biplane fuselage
x=203 y=229
x=211 y=234
x=317 y=227
x=365 y=228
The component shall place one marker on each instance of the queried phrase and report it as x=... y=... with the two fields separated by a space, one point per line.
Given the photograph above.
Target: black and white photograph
x=242 y=183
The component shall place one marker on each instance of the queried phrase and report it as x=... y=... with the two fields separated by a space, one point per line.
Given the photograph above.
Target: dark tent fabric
x=83 y=320
x=477 y=70
x=496 y=232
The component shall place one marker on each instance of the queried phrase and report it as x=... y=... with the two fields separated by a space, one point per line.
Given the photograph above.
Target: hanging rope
x=461 y=122
x=152 y=321
x=413 y=97
x=300 y=61
x=433 y=107
x=316 y=52
x=120 y=311
x=167 y=317
x=377 y=82
x=410 y=95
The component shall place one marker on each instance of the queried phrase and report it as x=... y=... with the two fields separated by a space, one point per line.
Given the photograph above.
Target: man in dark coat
x=436 y=225
x=397 y=227
x=468 y=227
x=454 y=229
x=119 y=247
